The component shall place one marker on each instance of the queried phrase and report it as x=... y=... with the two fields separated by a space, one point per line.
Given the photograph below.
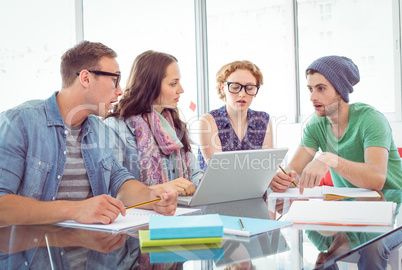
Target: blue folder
x=252 y=226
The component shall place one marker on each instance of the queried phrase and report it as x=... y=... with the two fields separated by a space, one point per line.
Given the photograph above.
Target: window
x=132 y=27
x=263 y=32
x=239 y=30
x=360 y=30
x=31 y=45
x=368 y=65
x=326 y=36
x=325 y=11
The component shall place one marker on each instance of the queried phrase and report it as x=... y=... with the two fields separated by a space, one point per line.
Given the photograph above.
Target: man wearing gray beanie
x=340 y=71
x=355 y=139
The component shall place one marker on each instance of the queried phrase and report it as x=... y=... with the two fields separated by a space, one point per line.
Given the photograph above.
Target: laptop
x=236 y=175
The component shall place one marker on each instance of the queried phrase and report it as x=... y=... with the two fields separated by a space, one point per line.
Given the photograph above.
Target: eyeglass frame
x=104 y=73
x=241 y=88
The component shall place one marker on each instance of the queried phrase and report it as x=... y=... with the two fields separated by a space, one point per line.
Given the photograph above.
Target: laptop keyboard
x=185 y=199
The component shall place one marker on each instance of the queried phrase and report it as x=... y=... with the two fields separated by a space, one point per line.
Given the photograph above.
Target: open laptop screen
x=237 y=175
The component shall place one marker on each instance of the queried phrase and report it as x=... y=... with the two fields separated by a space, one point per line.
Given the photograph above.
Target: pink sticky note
x=192 y=106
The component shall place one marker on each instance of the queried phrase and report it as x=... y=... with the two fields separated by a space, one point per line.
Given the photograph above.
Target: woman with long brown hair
x=154 y=143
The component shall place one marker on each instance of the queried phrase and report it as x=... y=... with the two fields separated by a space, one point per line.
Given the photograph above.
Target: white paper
x=342 y=212
x=134 y=217
x=321 y=191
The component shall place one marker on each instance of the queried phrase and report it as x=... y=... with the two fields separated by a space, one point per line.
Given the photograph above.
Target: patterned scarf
x=155 y=140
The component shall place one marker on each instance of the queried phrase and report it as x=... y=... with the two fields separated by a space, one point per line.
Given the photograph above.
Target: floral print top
x=256 y=129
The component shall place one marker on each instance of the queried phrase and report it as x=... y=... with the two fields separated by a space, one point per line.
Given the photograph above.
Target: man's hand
x=100 y=209
x=281 y=181
x=167 y=206
x=312 y=174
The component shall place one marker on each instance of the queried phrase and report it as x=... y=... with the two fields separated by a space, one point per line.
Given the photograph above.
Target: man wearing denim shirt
x=37 y=157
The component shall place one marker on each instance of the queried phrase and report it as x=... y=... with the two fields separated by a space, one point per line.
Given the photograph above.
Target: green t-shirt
x=366 y=127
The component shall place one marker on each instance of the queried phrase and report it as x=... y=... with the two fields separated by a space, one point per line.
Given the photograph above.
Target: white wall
x=397 y=132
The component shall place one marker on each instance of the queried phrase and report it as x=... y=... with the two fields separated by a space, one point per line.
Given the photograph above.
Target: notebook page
x=350 y=192
x=342 y=212
x=134 y=217
x=321 y=191
x=315 y=192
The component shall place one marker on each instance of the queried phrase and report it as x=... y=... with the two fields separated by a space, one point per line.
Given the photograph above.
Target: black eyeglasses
x=104 y=73
x=234 y=88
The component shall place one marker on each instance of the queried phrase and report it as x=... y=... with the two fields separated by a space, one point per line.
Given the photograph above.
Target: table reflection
x=333 y=244
x=55 y=247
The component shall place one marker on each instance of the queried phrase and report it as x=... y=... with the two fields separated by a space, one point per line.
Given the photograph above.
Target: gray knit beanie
x=340 y=71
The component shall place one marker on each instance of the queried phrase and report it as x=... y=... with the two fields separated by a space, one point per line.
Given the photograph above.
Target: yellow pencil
x=241 y=224
x=143 y=203
x=287 y=175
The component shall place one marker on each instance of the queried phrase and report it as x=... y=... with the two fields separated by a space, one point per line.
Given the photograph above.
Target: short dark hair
x=84 y=55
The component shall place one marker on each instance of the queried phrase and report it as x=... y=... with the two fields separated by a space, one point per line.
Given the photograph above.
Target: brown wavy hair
x=225 y=71
x=144 y=87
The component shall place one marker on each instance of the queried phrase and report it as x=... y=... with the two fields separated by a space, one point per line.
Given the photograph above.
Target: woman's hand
x=181 y=185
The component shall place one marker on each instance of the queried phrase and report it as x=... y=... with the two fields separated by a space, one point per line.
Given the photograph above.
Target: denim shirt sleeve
x=13 y=152
x=126 y=146
x=100 y=155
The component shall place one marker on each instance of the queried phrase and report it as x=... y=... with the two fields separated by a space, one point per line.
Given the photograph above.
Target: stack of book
x=182 y=230
x=164 y=254
x=182 y=238
x=199 y=237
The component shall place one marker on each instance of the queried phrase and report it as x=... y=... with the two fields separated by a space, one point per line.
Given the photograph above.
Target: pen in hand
x=287 y=175
x=143 y=203
x=241 y=224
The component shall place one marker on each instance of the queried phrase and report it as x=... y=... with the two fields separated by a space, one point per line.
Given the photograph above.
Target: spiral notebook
x=134 y=217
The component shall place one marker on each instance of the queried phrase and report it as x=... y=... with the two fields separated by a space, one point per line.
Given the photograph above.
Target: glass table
x=293 y=247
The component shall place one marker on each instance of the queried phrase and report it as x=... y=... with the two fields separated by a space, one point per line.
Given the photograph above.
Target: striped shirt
x=74 y=183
